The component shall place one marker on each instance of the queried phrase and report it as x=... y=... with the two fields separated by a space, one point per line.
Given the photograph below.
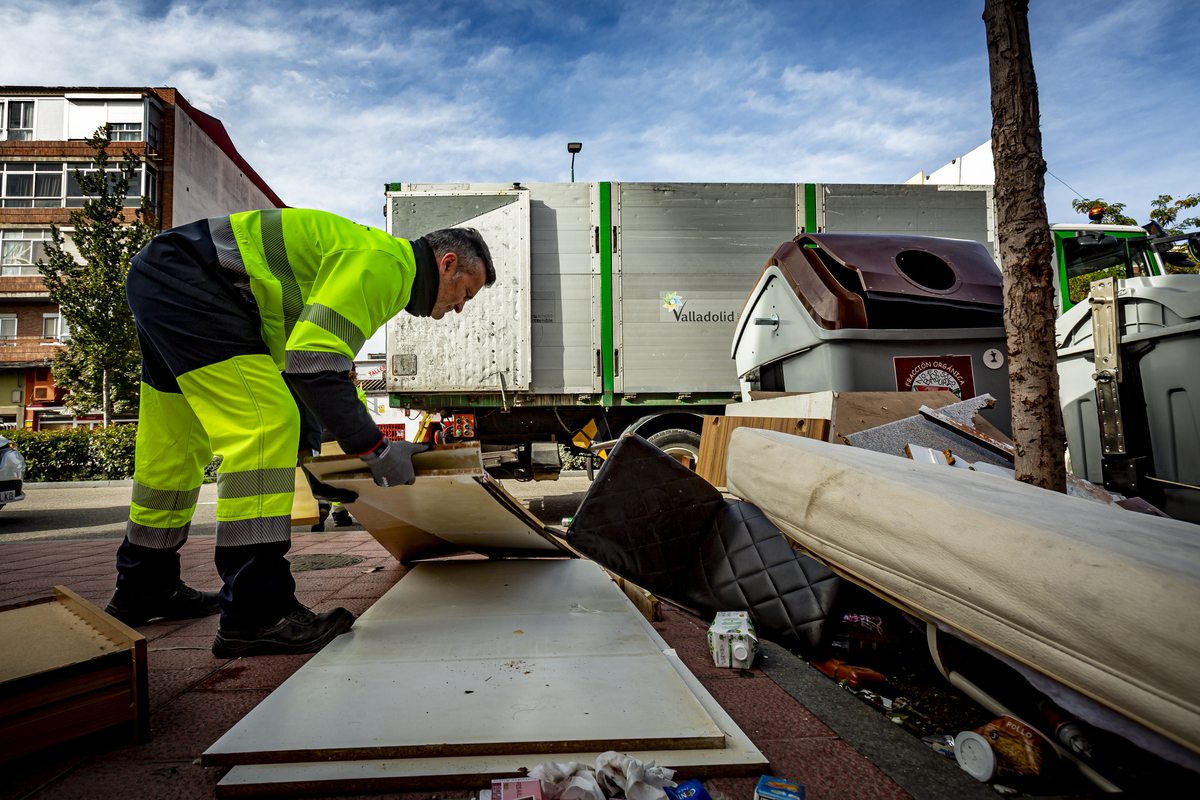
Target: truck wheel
x=680 y=444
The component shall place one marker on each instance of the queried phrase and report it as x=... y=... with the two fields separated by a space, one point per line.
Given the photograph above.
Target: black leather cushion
x=658 y=524
x=745 y=563
x=644 y=517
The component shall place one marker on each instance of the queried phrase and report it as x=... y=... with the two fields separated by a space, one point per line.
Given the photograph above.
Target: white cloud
x=329 y=102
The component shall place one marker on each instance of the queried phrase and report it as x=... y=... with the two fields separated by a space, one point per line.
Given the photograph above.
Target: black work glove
x=323 y=491
x=391 y=462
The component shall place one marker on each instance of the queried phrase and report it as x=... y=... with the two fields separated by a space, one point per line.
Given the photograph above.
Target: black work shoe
x=301 y=631
x=135 y=608
x=342 y=518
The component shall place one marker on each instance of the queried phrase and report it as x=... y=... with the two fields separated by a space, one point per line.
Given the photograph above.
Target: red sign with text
x=935 y=374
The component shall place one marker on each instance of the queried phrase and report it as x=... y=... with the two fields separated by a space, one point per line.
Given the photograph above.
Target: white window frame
x=8 y=101
x=8 y=341
x=6 y=270
x=59 y=325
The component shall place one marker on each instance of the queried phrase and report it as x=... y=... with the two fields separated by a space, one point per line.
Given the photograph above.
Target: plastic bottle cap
x=740 y=652
x=974 y=754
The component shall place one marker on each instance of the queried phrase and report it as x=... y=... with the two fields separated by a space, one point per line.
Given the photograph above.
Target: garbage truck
x=616 y=302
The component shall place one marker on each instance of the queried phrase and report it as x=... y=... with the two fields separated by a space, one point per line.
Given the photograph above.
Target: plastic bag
x=569 y=781
x=617 y=773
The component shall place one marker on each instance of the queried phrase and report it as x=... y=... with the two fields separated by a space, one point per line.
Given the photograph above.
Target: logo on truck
x=703 y=309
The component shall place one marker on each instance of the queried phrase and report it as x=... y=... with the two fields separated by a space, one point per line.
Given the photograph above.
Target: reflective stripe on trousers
x=240 y=409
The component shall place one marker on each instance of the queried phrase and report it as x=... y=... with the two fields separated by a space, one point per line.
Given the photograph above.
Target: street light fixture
x=573 y=148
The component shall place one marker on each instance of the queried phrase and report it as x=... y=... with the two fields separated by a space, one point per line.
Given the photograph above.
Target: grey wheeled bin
x=1159 y=320
x=855 y=312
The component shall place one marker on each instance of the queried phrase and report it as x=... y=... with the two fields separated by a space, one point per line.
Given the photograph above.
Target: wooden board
x=850 y=412
x=67 y=669
x=452 y=503
x=714 y=439
x=476 y=659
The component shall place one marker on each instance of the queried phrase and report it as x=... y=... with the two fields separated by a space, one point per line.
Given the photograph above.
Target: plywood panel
x=480 y=659
x=714 y=439
x=453 y=501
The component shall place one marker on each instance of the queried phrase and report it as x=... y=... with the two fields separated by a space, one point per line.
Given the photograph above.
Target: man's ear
x=448 y=262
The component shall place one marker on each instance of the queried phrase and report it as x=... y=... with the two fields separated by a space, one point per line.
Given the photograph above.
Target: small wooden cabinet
x=67 y=669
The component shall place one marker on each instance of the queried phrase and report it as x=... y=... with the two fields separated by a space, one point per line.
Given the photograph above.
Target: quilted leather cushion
x=645 y=517
x=745 y=563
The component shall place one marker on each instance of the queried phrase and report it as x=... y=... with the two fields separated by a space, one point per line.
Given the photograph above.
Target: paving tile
x=167 y=684
x=255 y=672
x=202 y=626
x=736 y=788
x=176 y=780
x=765 y=711
x=198 y=662
x=188 y=725
x=177 y=640
x=829 y=769
x=355 y=605
x=26 y=774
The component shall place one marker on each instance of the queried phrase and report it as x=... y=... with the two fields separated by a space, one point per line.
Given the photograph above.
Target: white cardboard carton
x=732 y=641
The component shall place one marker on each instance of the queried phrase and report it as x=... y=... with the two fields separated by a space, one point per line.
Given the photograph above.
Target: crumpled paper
x=617 y=772
x=570 y=781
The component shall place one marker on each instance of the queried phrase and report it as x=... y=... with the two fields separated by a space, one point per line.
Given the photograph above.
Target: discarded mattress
x=656 y=523
x=1100 y=600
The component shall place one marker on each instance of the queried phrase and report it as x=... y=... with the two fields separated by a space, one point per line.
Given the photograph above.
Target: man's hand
x=391 y=462
x=332 y=494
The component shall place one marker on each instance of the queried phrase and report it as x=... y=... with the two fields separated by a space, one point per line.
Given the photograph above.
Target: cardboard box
x=732 y=641
x=517 y=789
x=770 y=788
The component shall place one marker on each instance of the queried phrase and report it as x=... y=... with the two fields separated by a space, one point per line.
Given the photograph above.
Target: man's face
x=455 y=290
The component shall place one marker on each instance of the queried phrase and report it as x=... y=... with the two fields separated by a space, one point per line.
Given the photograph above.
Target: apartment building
x=190 y=170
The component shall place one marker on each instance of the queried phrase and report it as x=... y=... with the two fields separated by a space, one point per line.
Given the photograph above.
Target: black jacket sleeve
x=332 y=398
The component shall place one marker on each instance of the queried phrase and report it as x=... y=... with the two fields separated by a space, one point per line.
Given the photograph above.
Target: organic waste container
x=857 y=312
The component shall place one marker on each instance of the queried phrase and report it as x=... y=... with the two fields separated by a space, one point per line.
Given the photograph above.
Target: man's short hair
x=468 y=245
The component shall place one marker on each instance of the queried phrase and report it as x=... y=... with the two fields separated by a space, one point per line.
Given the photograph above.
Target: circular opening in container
x=926 y=269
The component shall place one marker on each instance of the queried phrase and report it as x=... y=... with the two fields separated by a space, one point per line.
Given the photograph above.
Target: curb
x=76 y=484
x=901 y=756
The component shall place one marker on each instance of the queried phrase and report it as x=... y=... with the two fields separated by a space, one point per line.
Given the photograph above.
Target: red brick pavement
x=195 y=698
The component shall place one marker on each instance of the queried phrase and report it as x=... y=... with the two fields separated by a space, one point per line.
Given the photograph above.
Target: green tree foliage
x=1166 y=209
x=1112 y=211
x=100 y=367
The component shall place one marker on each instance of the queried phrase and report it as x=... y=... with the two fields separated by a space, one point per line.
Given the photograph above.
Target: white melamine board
x=474 y=659
x=448 y=500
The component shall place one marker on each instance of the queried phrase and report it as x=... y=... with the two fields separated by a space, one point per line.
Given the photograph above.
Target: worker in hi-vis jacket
x=223 y=306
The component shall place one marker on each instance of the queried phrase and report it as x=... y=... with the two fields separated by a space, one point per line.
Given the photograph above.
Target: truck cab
x=1090 y=252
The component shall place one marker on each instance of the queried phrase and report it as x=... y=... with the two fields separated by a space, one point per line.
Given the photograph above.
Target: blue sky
x=330 y=100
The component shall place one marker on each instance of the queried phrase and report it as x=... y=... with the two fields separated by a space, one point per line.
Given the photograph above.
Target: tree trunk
x=1025 y=247
x=106 y=391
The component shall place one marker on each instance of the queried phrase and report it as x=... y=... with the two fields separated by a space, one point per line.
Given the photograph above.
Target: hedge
x=80 y=454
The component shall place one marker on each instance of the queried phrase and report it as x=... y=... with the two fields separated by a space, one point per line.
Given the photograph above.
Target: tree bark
x=107 y=392
x=1025 y=247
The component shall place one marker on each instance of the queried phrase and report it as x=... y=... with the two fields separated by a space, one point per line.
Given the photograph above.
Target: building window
x=19 y=126
x=18 y=185
x=54 y=327
x=126 y=131
x=21 y=249
x=75 y=196
x=8 y=330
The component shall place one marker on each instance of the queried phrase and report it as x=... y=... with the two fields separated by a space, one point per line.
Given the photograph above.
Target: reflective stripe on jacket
x=322 y=283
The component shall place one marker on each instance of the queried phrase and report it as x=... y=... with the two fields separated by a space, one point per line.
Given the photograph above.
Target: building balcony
x=15 y=286
x=27 y=352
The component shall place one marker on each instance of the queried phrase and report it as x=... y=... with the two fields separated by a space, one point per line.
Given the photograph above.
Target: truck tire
x=680 y=444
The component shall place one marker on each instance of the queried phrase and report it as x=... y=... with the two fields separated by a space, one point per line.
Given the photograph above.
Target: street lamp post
x=573 y=148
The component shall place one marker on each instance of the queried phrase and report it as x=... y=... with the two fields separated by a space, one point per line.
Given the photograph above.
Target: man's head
x=464 y=266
